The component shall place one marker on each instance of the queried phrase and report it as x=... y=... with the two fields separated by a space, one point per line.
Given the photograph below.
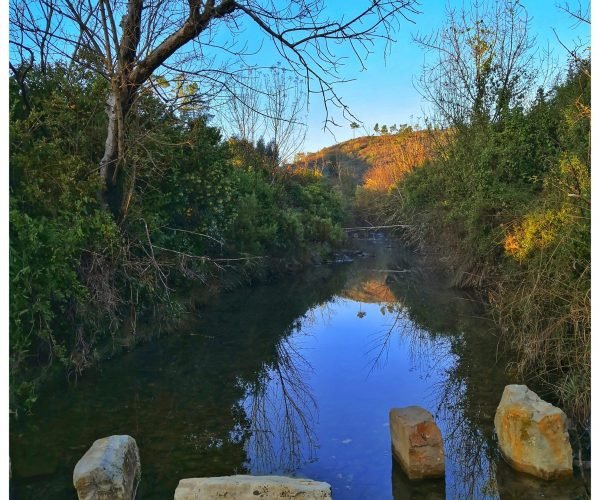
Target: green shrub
x=510 y=202
x=76 y=273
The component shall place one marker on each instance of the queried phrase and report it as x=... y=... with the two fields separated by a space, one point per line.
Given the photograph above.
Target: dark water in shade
x=294 y=378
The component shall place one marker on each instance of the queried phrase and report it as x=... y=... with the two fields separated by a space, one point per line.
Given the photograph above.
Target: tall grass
x=506 y=207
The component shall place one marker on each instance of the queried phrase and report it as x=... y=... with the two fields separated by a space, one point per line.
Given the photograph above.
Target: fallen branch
x=399 y=271
x=374 y=227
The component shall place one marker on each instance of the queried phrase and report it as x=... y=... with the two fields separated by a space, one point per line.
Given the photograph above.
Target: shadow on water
x=405 y=489
x=297 y=378
x=192 y=401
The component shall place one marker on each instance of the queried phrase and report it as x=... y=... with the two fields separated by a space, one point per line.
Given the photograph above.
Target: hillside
x=375 y=162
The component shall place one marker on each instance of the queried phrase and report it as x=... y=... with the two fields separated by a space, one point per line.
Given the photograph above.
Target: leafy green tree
x=129 y=44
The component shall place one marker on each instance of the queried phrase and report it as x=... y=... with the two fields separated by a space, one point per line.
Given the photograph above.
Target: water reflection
x=281 y=410
x=405 y=489
x=224 y=394
x=455 y=334
x=470 y=455
x=296 y=377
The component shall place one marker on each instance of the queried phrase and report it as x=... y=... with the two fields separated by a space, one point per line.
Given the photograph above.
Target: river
x=295 y=377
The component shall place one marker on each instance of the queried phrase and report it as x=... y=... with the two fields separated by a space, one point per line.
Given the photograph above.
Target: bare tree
x=242 y=117
x=580 y=52
x=33 y=27
x=284 y=121
x=268 y=104
x=483 y=62
x=282 y=411
x=130 y=42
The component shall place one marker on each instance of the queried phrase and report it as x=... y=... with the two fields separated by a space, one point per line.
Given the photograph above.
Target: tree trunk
x=111 y=149
x=130 y=76
x=112 y=163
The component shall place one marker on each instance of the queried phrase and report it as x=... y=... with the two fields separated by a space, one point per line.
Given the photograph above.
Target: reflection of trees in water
x=469 y=448
x=425 y=350
x=186 y=397
x=319 y=314
x=278 y=408
x=380 y=345
x=279 y=404
x=469 y=452
x=281 y=410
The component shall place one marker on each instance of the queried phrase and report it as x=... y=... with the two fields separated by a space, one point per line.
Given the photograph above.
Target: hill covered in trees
x=376 y=162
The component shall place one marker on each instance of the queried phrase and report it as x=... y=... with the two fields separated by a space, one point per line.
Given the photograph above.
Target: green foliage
x=76 y=273
x=54 y=221
x=282 y=213
x=512 y=201
x=491 y=173
x=194 y=206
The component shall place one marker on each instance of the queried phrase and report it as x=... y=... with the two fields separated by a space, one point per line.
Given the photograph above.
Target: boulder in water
x=109 y=469
x=417 y=442
x=532 y=434
x=244 y=487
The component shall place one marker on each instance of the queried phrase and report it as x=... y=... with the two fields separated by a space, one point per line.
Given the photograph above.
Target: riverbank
x=330 y=343
x=503 y=206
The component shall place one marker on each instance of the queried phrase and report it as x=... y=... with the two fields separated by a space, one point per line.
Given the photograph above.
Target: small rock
x=110 y=469
x=248 y=487
x=532 y=434
x=417 y=442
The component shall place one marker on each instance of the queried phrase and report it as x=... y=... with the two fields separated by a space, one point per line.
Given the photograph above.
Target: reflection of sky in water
x=261 y=380
x=362 y=363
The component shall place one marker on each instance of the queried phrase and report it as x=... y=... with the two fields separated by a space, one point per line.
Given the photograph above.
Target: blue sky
x=384 y=92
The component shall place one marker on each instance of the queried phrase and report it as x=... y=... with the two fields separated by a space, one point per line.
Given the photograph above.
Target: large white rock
x=532 y=434
x=417 y=442
x=110 y=469
x=251 y=487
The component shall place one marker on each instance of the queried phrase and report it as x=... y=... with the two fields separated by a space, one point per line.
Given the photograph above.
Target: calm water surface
x=293 y=378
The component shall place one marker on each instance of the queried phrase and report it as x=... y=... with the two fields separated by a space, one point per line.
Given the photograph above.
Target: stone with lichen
x=532 y=434
x=417 y=442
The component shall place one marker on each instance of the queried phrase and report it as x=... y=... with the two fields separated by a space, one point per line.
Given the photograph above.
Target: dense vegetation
x=504 y=205
x=199 y=206
x=498 y=188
